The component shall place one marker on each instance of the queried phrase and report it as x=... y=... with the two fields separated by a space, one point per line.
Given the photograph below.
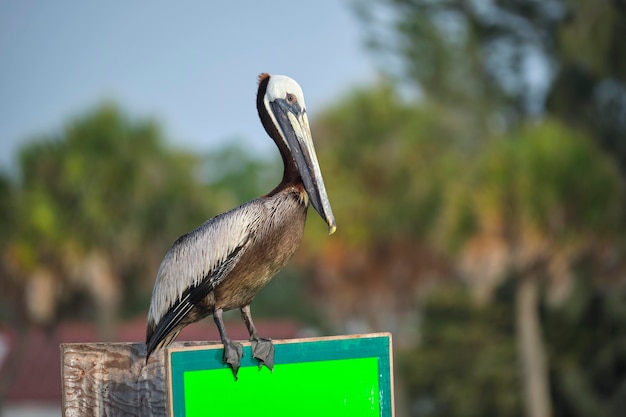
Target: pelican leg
x=233 y=351
x=262 y=349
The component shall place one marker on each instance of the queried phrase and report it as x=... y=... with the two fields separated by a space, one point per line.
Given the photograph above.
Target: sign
x=330 y=376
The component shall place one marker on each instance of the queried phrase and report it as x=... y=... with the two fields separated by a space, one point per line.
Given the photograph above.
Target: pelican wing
x=195 y=264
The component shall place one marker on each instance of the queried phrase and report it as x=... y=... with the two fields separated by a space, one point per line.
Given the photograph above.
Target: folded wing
x=195 y=264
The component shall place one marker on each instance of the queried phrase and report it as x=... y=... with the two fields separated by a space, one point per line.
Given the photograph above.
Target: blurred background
x=474 y=153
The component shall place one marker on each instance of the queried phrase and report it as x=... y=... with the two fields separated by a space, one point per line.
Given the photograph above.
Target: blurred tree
x=9 y=308
x=384 y=162
x=415 y=200
x=464 y=365
x=95 y=209
x=527 y=210
x=538 y=203
x=491 y=56
x=500 y=60
x=587 y=341
x=387 y=159
x=589 y=87
x=235 y=176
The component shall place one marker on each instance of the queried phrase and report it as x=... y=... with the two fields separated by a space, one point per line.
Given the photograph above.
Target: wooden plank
x=112 y=379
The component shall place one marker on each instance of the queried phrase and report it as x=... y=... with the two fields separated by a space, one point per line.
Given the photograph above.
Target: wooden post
x=113 y=379
x=328 y=373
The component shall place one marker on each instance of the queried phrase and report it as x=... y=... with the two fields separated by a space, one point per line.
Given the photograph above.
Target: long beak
x=295 y=127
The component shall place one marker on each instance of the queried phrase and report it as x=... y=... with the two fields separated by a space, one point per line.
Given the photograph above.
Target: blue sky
x=192 y=65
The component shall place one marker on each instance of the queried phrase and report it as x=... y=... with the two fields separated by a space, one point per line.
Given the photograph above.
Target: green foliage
x=471 y=54
x=384 y=162
x=501 y=60
x=569 y=186
x=465 y=364
x=587 y=347
x=542 y=194
x=475 y=172
x=544 y=177
x=6 y=192
x=109 y=185
x=398 y=170
x=286 y=296
x=105 y=184
x=236 y=176
x=101 y=175
x=592 y=38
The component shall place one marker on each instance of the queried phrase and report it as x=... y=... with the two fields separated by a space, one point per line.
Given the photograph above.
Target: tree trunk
x=531 y=349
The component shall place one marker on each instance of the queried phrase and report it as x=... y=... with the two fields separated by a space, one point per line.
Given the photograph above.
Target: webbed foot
x=263 y=350
x=232 y=355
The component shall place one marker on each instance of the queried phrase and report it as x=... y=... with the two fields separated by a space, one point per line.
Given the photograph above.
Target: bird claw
x=263 y=350
x=233 y=352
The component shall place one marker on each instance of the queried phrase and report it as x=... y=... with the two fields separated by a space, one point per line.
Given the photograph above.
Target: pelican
x=223 y=264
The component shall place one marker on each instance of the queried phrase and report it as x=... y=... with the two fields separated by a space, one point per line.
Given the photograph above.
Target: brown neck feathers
x=290 y=173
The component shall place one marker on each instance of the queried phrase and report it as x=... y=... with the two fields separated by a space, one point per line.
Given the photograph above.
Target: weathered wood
x=113 y=379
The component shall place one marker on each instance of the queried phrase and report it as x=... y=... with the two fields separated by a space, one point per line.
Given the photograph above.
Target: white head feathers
x=281 y=85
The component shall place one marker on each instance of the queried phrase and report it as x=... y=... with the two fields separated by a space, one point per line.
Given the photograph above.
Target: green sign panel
x=346 y=375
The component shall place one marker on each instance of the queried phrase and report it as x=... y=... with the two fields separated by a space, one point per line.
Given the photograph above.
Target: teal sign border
x=209 y=357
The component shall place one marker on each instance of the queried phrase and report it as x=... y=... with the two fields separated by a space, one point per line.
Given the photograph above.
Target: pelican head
x=283 y=101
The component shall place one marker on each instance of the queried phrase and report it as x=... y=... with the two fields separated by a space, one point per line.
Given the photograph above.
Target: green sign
x=345 y=375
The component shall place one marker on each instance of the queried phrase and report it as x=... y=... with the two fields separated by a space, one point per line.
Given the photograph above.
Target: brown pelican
x=224 y=263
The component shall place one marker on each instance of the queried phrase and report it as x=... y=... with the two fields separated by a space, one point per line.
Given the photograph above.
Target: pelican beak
x=294 y=124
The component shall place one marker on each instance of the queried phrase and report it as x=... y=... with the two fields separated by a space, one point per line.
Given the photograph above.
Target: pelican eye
x=291 y=99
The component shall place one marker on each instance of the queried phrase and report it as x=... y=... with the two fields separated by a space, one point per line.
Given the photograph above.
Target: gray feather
x=201 y=253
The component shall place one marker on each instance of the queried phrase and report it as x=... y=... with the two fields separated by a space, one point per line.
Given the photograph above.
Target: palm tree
x=95 y=208
x=529 y=209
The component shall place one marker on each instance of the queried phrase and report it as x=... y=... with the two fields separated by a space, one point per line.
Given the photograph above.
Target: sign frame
x=326 y=351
